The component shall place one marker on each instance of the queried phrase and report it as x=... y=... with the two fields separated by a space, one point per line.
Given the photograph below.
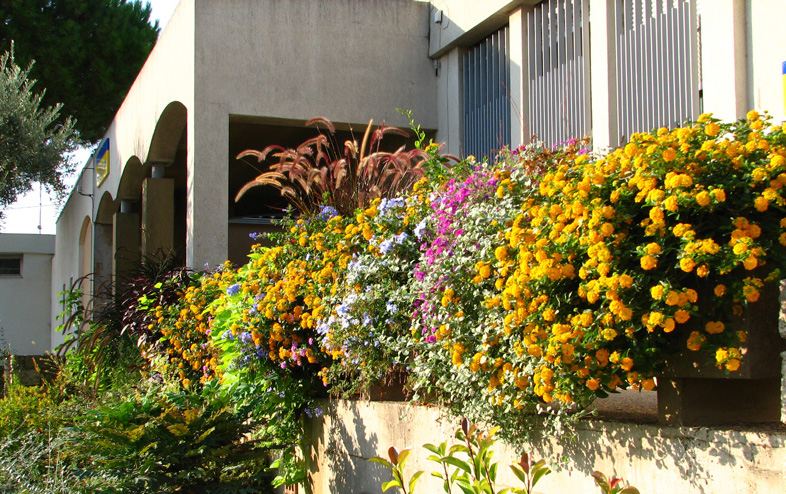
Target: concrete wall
x=66 y=264
x=657 y=460
x=462 y=22
x=25 y=299
x=346 y=60
x=166 y=77
x=766 y=53
x=741 y=57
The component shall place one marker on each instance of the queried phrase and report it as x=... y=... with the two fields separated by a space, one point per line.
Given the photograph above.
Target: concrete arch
x=107 y=207
x=103 y=246
x=130 y=187
x=86 y=258
x=168 y=134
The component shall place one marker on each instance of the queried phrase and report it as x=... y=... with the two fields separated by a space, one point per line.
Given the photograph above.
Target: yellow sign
x=102 y=162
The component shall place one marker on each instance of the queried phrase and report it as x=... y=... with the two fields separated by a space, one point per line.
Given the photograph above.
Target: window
x=11 y=265
x=486 y=77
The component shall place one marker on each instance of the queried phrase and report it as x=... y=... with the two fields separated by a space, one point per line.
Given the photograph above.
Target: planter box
x=693 y=391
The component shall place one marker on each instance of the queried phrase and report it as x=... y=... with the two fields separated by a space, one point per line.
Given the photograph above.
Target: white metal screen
x=657 y=64
x=558 y=41
x=486 y=78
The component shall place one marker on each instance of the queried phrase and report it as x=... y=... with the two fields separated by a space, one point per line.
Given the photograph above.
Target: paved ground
x=639 y=406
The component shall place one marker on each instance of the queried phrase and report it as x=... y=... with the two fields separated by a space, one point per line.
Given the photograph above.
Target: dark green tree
x=87 y=52
x=33 y=140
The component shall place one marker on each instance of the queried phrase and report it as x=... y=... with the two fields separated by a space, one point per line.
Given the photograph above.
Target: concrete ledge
x=656 y=459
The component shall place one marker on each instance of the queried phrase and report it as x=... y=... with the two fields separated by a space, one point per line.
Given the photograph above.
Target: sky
x=37 y=208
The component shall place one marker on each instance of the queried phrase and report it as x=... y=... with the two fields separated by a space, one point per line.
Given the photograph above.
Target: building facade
x=229 y=75
x=25 y=293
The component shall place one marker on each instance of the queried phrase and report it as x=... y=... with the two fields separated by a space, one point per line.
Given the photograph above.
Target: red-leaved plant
x=315 y=174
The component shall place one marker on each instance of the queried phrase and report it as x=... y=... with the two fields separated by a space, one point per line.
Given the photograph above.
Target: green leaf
x=402 y=456
x=493 y=472
x=600 y=479
x=539 y=473
x=433 y=449
x=414 y=480
x=459 y=448
x=379 y=460
x=467 y=489
x=389 y=484
x=519 y=473
x=629 y=490
x=458 y=463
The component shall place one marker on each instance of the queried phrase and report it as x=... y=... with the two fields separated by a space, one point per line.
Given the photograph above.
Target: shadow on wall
x=346 y=468
x=695 y=454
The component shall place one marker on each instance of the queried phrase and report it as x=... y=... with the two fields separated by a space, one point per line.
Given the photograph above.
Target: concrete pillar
x=207 y=207
x=603 y=77
x=520 y=132
x=449 y=91
x=102 y=262
x=724 y=59
x=126 y=245
x=158 y=216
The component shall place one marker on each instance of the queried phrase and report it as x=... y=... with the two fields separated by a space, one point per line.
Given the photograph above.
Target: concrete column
x=158 y=216
x=207 y=208
x=724 y=59
x=126 y=245
x=519 y=79
x=102 y=262
x=449 y=91
x=603 y=77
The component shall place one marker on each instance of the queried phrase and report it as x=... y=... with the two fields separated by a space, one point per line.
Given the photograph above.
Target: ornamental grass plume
x=317 y=173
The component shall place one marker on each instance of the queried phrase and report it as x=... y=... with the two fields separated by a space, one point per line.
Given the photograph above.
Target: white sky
x=23 y=215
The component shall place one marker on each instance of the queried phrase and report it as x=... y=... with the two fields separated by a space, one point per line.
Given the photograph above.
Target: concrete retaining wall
x=656 y=459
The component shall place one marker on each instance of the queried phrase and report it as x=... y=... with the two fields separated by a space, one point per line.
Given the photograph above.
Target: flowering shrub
x=178 y=330
x=586 y=283
x=549 y=276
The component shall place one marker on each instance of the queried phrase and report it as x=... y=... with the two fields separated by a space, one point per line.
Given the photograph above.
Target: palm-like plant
x=315 y=174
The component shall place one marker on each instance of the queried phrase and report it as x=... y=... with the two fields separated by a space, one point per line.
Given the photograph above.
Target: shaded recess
x=258 y=210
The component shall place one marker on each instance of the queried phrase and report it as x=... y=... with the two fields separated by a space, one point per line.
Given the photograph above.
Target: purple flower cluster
x=447 y=218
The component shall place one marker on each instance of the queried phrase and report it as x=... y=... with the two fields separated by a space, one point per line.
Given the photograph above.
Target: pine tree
x=87 y=52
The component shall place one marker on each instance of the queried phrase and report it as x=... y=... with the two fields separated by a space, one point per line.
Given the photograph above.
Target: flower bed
x=548 y=277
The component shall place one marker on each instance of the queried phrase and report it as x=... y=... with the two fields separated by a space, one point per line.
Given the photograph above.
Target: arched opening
x=103 y=249
x=260 y=208
x=86 y=259
x=164 y=188
x=126 y=234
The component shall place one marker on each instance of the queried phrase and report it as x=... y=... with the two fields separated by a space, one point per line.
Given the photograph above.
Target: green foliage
x=24 y=408
x=88 y=52
x=33 y=137
x=170 y=441
x=529 y=473
x=613 y=485
x=94 y=354
x=398 y=460
x=468 y=465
